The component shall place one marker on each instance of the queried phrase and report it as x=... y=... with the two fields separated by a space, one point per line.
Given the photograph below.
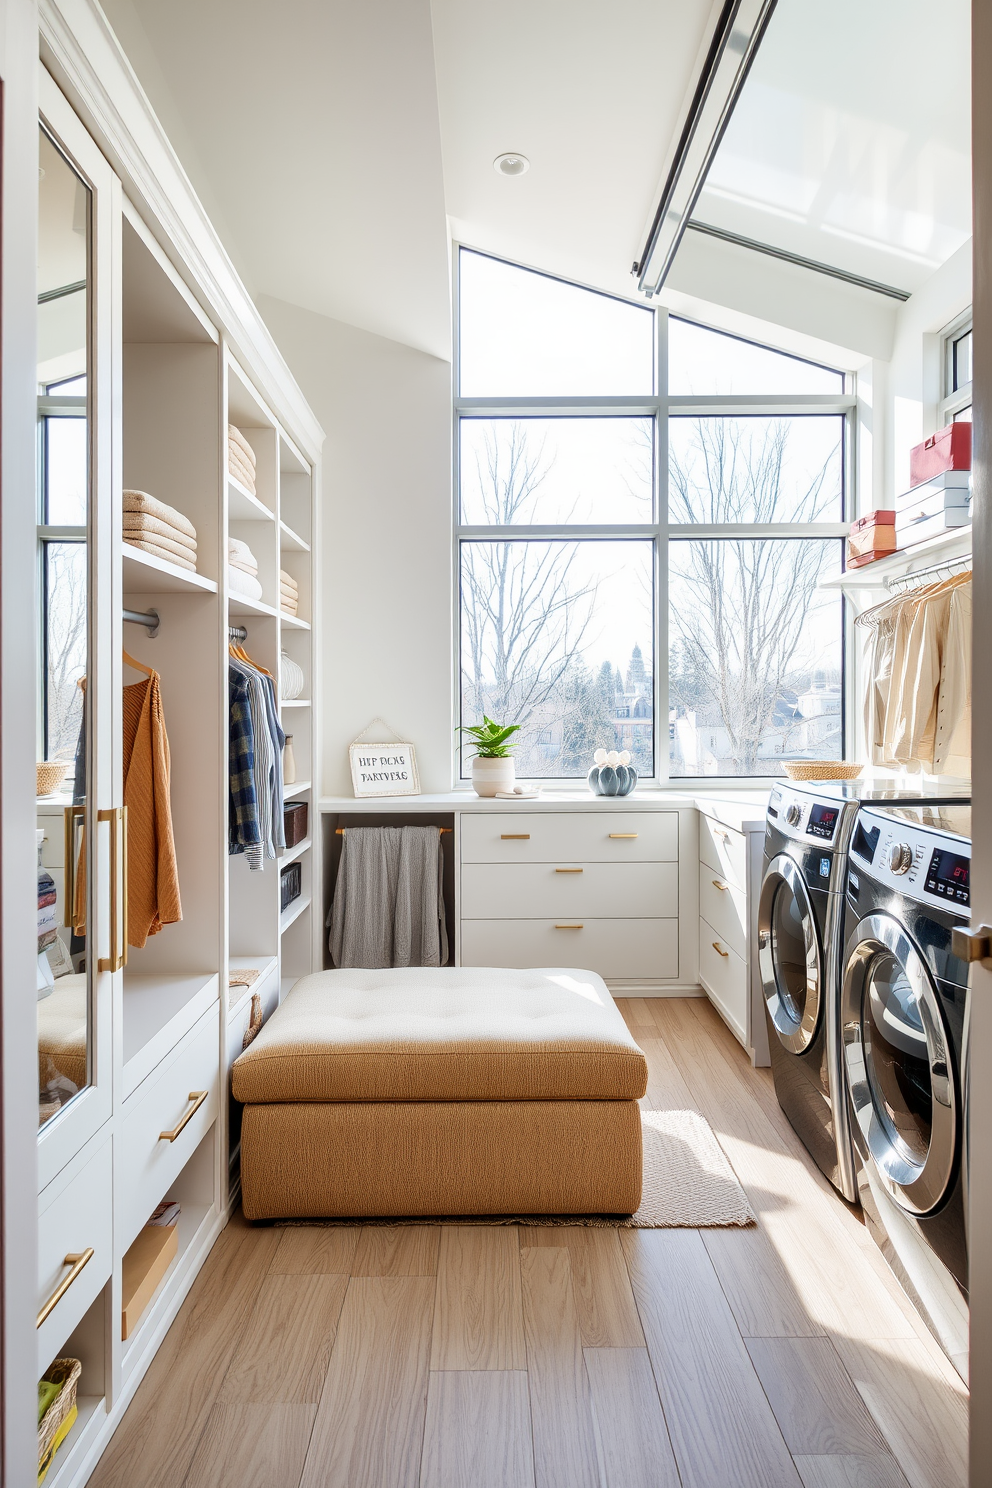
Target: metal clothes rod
x=237 y=633
x=149 y=619
x=342 y=830
x=949 y=566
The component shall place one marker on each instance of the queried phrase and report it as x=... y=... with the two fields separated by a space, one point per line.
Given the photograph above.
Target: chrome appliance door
x=790 y=955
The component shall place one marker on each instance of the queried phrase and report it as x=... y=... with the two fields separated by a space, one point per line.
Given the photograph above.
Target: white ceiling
x=850 y=143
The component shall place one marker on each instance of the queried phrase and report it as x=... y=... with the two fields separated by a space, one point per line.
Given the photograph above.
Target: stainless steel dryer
x=800 y=942
x=903 y=1014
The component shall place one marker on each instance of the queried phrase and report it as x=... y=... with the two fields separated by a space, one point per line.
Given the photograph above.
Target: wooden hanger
x=139 y=666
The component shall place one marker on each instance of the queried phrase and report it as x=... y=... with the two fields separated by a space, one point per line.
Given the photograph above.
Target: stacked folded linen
x=242 y=569
x=289 y=592
x=159 y=529
x=240 y=458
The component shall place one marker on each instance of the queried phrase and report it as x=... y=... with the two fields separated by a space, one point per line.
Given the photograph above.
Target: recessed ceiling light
x=511 y=165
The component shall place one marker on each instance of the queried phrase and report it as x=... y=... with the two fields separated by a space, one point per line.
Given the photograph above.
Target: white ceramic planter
x=492 y=775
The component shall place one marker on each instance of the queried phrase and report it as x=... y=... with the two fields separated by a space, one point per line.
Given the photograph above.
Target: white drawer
x=570 y=837
x=75 y=1213
x=237 y=1024
x=527 y=891
x=615 y=948
x=149 y=1161
x=724 y=975
x=724 y=850
x=724 y=906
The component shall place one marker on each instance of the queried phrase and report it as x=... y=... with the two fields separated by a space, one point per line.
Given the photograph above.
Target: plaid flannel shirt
x=244 y=832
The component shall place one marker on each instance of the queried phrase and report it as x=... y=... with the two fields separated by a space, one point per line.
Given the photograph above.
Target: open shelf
x=293 y=621
x=192 y=1217
x=292 y=541
x=151 y=575
x=955 y=543
x=158 y=1009
x=290 y=854
x=240 y=604
x=242 y=506
x=295 y=703
x=290 y=792
x=90 y=1411
x=238 y=996
x=292 y=912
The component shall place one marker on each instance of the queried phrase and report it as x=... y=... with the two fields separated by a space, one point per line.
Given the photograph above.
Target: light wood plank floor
x=427 y=1357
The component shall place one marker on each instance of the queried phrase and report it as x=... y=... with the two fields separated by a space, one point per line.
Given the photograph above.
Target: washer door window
x=789 y=955
x=895 y=1049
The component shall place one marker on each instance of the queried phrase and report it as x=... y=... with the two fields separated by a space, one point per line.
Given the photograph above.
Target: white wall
x=387 y=588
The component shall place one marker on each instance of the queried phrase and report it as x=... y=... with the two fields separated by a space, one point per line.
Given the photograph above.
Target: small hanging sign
x=383 y=769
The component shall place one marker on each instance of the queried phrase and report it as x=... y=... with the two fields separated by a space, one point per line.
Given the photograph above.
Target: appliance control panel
x=804 y=817
x=929 y=866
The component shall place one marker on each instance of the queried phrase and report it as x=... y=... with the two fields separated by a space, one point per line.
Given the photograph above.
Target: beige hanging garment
x=152 y=875
x=952 y=741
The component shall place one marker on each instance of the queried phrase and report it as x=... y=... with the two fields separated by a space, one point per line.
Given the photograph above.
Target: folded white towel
x=235 y=436
x=171 y=556
x=241 y=470
x=140 y=524
x=140 y=501
x=240 y=553
x=240 y=582
x=288 y=582
x=244 y=566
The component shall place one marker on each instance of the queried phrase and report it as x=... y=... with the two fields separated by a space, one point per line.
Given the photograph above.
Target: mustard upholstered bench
x=454 y=1091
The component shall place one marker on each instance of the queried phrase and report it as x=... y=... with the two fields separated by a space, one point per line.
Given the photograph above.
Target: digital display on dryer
x=822 y=821
x=865 y=842
x=949 y=875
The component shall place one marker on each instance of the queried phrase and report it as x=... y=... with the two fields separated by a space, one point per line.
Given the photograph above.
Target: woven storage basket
x=822 y=770
x=51 y=774
x=56 y=1422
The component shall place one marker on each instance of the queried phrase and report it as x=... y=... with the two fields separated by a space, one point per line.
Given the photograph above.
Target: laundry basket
x=823 y=770
x=58 y=1420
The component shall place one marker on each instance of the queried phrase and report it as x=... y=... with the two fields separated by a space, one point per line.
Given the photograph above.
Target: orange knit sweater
x=152 y=875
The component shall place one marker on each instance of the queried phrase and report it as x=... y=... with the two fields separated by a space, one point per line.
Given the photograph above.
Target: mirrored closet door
x=80 y=836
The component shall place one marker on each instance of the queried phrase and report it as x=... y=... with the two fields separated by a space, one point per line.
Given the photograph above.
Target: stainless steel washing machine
x=903 y=1016
x=800 y=942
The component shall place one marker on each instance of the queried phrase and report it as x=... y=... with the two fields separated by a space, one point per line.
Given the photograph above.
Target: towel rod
x=149 y=619
x=341 y=830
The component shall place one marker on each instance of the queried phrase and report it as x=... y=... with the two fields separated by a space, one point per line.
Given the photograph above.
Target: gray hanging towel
x=388 y=907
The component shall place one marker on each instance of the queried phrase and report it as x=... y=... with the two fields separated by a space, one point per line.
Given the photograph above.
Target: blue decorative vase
x=612 y=780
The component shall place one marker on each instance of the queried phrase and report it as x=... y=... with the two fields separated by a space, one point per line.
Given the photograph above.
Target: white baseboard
x=634 y=988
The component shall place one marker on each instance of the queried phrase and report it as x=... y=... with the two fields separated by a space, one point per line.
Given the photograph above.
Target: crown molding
x=80 y=50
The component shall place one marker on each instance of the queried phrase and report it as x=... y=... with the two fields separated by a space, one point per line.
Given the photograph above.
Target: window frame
x=659 y=406
x=953 y=401
x=51 y=405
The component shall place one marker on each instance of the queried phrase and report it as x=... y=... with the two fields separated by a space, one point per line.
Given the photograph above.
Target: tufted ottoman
x=430 y=1091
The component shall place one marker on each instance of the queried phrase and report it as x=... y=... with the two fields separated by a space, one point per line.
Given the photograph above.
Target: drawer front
x=724 y=907
x=159 y=1104
x=78 y=1215
x=614 y=948
x=531 y=891
x=723 y=850
x=570 y=837
x=725 y=978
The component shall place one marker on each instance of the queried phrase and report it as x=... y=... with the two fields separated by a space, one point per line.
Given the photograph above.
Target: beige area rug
x=688 y=1184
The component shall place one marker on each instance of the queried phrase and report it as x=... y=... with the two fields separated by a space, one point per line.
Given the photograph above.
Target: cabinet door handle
x=514 y=836
x=570 y=927
x=718 y=885
x=719 y=950
x=70 y=815
x=196 y=1098
x=77 y=1260
x=117 y=817
x=569 y=870
x=615 y=836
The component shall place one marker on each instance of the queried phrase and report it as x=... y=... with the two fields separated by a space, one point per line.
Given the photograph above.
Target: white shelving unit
x=947 y=546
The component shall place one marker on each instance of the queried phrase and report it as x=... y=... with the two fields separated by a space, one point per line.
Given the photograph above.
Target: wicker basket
x=823 y=770
x=51 y=774
x=57 y=1421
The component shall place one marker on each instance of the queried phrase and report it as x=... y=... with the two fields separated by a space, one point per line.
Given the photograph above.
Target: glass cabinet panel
x=65 y=817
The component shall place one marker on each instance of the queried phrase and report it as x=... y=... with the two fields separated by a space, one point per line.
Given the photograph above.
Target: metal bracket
x=972 y=945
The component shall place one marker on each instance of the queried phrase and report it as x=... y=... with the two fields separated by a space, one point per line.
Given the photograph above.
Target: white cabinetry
x=730 y=853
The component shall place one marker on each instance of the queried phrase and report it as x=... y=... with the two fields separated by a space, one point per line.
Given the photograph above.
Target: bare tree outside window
x=65 y=645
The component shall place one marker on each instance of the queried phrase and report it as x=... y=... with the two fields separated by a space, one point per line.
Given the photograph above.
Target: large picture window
x=645 y=511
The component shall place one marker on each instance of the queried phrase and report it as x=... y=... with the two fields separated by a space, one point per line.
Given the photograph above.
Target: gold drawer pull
x=718 y=885
x=569 y=870
x=514 y=836
x=77 y=1260
x=197 y=1097
x=724 y=954
x=570 y=927
x=614 y=836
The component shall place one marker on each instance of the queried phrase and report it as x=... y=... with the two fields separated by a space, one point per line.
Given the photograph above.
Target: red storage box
x=872 y=534
x=948 y=449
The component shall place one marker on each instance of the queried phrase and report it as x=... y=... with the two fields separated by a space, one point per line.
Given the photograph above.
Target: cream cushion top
x=448 y=1034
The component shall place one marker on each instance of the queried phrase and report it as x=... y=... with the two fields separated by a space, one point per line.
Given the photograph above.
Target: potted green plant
x=492 y=767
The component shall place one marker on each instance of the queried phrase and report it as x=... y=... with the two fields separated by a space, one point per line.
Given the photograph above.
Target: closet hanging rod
x=149 y=619
x=237 y=633
x=949 y=566
x=342 y=830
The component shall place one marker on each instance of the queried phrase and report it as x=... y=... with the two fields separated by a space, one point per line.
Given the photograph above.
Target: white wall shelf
x=151 y=575
x=238 y=996
x=946 y=545
x=296 y=789
x=240 y=604
x=292 y=912
x=292 y=853
x=294 y=622
x=242 y=506
x=296 y=702
x=292 y=541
